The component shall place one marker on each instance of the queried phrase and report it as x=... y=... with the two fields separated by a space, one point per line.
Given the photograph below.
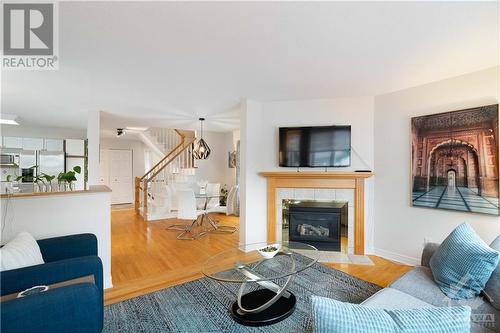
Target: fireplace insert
x=317 y=223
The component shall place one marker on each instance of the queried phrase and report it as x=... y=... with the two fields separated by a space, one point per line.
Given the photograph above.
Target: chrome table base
x=189 y=228
x=269 y=305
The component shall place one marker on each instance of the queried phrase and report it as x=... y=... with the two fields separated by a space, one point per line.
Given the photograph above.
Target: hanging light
x=201 y=150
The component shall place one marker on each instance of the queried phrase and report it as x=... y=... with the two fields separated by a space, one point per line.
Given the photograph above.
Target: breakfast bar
x=59 y=214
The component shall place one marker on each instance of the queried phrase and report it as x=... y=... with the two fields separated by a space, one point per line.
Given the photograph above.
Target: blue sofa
x=74 y=308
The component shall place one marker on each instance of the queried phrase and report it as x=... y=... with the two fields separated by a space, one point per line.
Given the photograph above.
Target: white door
x=103 y=167
x=120 y=176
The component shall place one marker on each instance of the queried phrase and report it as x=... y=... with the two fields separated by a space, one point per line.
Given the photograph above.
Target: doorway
x=452 y=178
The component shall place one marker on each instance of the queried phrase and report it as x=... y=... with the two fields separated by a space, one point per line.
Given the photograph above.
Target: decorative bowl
x=269 y=251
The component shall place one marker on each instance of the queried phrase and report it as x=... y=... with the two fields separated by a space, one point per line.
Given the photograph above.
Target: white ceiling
x=167 y=63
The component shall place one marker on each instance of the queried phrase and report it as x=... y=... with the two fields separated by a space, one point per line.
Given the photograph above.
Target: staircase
x=176 y=164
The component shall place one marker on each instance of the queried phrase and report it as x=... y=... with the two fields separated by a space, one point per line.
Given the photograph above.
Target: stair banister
x=163 y=170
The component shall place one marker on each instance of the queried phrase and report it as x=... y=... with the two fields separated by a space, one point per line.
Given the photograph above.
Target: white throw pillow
x=22 y=251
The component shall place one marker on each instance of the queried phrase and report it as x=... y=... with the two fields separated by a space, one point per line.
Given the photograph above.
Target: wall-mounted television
x=318 y=146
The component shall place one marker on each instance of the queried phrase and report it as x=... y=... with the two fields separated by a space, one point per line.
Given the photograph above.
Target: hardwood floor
x=145 y=257
x=382 y=273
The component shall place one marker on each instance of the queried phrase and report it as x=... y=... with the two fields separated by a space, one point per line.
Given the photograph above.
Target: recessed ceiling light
x=8 y=119
x=136 y=128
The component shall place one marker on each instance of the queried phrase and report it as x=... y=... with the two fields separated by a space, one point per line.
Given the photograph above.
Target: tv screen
x=320 y=146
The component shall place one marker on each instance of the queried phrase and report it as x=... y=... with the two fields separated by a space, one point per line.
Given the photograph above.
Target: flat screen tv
x=319 y=146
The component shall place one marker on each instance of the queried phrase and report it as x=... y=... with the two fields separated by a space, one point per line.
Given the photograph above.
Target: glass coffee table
x=246 y=264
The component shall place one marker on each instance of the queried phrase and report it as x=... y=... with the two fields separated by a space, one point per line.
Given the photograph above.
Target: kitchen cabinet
x=54 y=145
x=75 y=147
x=12 y=142
x=32 y=144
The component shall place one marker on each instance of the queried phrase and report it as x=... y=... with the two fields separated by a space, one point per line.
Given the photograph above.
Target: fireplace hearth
x=318 y=223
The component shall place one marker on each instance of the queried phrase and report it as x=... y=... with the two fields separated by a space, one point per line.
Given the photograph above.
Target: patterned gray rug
x=202 y=305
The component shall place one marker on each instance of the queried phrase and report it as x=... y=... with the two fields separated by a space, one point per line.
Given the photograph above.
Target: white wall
x=61 y=215
x=215 y=169
x=253 y=211
x=399 y=228
x=42 y=132
x=260 y=146
x=93 y=137
x=137 y=148
x=236 y=137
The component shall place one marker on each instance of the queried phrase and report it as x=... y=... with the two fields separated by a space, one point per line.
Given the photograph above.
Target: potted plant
x=40 y=185
x=7 y=185
x=69 y=177
x=49 y=179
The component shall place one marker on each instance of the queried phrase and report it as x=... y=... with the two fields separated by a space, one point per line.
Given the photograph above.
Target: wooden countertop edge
x=316 y=174
x=92 y=189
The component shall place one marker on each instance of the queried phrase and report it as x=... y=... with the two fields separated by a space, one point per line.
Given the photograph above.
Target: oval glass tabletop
x=247 y=263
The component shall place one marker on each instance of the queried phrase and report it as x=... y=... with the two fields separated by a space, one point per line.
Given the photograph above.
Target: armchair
x=73 y=308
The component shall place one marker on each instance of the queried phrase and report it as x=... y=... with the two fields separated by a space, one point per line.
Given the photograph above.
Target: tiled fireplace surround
x=317 y=194
x=313 y=185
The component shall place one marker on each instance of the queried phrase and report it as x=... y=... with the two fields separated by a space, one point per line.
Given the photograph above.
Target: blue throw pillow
x=463 y=263
x=331 y=316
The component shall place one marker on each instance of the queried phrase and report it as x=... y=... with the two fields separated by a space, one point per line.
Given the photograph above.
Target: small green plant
x=69 y=177
x=48 y=178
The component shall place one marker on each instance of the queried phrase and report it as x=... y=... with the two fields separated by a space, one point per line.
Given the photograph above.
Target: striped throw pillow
x=331 y=316
x=463 y=263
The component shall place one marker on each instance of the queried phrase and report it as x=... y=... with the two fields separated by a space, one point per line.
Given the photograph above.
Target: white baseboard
x=397 y=257
x=108 y=282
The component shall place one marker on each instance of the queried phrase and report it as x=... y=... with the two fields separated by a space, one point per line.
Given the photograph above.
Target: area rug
x=202 y=305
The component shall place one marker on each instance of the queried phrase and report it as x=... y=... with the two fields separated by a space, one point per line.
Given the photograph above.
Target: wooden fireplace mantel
x=330 y=180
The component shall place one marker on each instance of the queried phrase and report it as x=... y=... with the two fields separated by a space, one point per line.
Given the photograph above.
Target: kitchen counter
x=92 y=189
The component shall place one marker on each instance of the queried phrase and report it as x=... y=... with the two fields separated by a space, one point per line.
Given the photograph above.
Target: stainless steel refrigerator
x=49 y=163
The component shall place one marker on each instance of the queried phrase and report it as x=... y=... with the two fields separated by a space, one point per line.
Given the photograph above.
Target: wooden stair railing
x=141 y=183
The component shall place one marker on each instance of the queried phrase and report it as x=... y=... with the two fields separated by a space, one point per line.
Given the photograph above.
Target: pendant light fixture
x=201 y=150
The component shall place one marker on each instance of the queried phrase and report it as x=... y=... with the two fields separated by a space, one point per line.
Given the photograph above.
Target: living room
x=405 y=95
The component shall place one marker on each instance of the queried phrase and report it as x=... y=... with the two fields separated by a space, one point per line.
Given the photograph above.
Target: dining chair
x=213 y=193
x=213 y=206
x=186 y=210
x=232 y=202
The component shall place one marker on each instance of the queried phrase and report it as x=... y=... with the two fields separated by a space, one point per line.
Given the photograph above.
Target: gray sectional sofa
x=417 y=289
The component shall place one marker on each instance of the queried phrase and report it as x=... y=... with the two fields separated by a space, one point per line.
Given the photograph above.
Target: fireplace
x=319 y=223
